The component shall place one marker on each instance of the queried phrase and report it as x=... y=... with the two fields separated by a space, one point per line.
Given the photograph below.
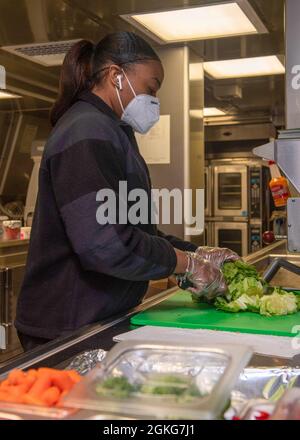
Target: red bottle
x=279 y=186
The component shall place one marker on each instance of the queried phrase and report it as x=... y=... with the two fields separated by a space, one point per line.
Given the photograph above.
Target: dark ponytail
x=83 y=65
x=74 y=77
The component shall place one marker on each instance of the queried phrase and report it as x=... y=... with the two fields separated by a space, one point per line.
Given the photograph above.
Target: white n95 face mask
x=142 y=112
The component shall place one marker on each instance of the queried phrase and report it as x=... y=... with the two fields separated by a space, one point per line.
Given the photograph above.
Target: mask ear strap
x=119 y=98
x=131 y=88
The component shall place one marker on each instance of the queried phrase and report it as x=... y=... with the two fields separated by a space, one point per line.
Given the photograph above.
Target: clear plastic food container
x=11 y=229
x=162 y=380
x=19 y=411
x=288 y=407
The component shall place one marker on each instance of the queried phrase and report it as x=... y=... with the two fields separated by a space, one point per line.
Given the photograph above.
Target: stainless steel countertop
x=59 y=353
x=13 y=243
x=100 y=335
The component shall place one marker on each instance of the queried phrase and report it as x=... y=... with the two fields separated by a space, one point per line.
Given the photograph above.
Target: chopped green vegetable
x=180 y=387
x=278 y=303
x=248 y=286
x=242 y=303
x=170 y=385
x=115 y=387
x=246 y=292
x=164 y=385
x=238 y=270
x=298 y=301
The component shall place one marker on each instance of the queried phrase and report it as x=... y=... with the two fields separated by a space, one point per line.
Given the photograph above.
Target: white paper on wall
x=155 y=145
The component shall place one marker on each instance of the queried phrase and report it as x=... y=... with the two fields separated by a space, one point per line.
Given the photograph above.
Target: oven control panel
x=255 y=242
x=255 y=190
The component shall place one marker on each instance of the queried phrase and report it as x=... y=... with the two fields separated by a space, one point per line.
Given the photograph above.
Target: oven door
x=208 y=186
x=233 y=236
x=231 y=192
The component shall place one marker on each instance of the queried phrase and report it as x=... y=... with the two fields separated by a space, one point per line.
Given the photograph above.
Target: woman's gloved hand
x=217 y=256
x=204 y=278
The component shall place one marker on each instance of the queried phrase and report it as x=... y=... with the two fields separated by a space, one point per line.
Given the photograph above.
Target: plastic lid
x=272 y=162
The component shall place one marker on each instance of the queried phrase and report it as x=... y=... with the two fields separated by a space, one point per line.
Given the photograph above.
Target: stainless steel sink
x=265 y=257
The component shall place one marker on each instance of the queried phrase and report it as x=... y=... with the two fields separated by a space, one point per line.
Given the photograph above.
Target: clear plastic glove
x=205 y=278
x=217 y=256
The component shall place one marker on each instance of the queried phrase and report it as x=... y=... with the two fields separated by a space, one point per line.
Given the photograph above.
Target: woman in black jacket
x=79 y=269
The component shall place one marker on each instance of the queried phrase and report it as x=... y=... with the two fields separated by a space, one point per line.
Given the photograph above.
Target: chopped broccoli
x=115 y=387
x=170 y=385
x=157 y=384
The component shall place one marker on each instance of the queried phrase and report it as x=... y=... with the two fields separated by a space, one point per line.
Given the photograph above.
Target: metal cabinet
x=13 y=255
x=10 y=284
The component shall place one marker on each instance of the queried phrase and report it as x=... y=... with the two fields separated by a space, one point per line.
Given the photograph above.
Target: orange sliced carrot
x=5 y=396
x=51 y=396
x=45 y=386
x=41 y=384
x=4 y=384
x=60 y=403
x=74 y=376
x=32 y=373
x=62 y=381
x=32 y=400
x=16 y=377
x=18 y=390
x=29 y=380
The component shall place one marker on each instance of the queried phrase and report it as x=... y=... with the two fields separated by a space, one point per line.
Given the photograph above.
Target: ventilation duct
x=46 y=54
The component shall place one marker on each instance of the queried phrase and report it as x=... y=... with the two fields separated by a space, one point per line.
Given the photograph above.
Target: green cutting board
x=180 y=311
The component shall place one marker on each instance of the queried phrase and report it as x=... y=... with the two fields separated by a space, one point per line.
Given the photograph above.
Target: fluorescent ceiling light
x=8 y=95
x=225 y=19
x=244 y=67
x=206 y=112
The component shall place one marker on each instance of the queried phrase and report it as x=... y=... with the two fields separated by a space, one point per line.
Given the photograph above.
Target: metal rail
x=60 y=345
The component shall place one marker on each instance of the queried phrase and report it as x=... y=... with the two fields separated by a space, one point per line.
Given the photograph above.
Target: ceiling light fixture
x=245 y=67
x=7 y=95
x=226 y=19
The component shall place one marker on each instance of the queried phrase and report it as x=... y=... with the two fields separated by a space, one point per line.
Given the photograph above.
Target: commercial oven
x=231 y=191
x=239 y=204
x=242 y=237
x=241 y=190
x=208 y=185
x=233 y=236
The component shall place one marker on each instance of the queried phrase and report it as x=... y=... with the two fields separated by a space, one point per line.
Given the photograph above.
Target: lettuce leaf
x=241 y=304
x=238 y=270
x=246 y=293
x=279 y=303
x=247 y=286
